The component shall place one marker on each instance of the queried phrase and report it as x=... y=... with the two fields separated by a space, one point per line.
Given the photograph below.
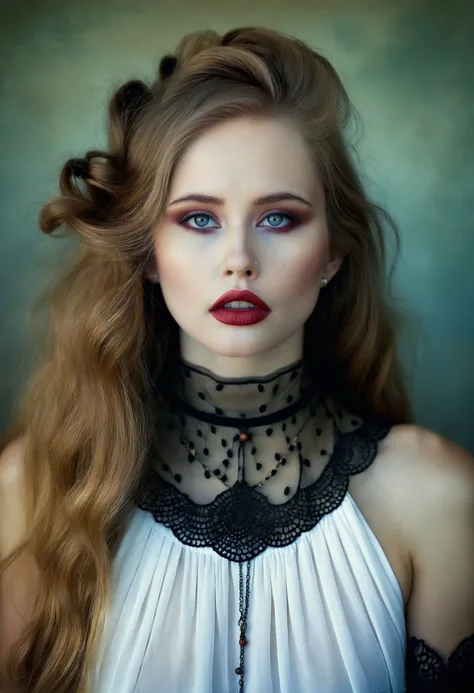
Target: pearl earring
x=324 y=282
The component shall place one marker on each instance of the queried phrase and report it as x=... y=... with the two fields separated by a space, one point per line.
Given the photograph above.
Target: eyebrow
x=265 y=199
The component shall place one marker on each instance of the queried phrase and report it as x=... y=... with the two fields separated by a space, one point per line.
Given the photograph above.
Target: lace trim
x=241 y=523
x=426 y=671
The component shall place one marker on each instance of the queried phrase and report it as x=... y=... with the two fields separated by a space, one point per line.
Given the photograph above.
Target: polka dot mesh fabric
x=242 y=464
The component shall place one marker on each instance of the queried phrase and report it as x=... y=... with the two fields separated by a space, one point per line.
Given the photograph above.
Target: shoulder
x=12 y=525
x=435 y=494
x=18 y=579
x=417 y=471
x=429 y=462
x=432 y=480
x=11 y=458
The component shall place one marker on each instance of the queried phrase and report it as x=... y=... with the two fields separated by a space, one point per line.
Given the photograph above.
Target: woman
x=220 y=489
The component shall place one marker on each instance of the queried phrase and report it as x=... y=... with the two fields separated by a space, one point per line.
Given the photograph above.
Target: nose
x=241 y=270
x=240 y=262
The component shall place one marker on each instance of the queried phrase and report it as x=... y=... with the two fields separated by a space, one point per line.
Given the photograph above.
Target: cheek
x=301 y=276
x=175 y=266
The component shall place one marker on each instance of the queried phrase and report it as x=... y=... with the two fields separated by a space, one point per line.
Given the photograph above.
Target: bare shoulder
x=17 y=581
x=436 y=498
x=430 y=462
x=416 y=469
x=426 y=474
x=12 y=520
x=11 y=459
x=415 y=475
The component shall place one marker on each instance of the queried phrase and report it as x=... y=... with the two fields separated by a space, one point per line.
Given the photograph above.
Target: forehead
x=254 y=154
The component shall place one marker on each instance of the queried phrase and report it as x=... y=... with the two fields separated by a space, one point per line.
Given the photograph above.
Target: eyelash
x=293 y=219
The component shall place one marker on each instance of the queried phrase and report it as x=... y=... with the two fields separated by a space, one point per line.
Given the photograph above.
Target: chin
x=253 y=342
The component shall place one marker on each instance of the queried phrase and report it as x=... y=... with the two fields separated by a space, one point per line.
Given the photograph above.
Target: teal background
x=408 y=67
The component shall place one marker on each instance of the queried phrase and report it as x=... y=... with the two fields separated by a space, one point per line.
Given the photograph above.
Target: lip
x=236 y=295
x=240 y=317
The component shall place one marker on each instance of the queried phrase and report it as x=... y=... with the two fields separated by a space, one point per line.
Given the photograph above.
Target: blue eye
x=200 y=219
x=276 y=217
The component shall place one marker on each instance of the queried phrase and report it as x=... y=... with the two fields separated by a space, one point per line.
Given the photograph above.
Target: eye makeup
x=292 y=220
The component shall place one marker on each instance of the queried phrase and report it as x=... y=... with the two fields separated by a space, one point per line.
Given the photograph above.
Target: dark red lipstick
x=241 y=316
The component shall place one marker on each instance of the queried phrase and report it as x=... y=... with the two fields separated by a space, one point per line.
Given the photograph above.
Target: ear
x=333 y=266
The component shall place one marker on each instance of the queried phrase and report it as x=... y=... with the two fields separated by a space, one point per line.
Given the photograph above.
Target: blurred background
x=408 y=66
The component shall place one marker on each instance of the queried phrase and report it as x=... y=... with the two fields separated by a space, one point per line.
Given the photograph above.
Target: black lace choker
x=256 y=400
x=215 y=433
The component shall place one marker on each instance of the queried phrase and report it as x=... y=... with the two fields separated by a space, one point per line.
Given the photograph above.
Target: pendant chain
x=243 y=608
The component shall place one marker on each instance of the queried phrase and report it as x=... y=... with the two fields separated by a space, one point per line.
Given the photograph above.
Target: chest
x=315 y=613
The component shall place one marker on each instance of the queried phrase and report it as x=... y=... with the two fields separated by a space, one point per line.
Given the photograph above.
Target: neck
x=259 y=431
x=240 y=397
x=242 y=365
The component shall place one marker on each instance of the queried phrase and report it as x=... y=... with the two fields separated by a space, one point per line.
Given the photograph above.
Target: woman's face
x=245 y=212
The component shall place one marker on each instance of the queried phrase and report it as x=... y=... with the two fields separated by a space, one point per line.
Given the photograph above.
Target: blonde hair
x=86 y=415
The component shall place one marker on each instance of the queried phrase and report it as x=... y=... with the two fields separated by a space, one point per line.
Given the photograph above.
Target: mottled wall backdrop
x=408 y=66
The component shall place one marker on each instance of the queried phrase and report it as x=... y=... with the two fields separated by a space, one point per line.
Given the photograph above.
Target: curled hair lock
x=132 y=97
x=167 y=67
x=79 y=168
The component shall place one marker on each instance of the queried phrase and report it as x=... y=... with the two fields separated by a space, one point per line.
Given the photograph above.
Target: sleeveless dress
x=326 y=614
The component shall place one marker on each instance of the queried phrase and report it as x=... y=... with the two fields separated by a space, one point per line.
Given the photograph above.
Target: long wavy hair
x=86 y=414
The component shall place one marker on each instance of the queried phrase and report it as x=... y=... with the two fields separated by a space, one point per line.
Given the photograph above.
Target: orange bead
x=243 y=437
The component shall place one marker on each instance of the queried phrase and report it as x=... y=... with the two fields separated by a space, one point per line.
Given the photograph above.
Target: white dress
x=326 y=615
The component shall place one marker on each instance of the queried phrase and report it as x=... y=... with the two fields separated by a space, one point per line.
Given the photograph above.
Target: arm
x=440 y=611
